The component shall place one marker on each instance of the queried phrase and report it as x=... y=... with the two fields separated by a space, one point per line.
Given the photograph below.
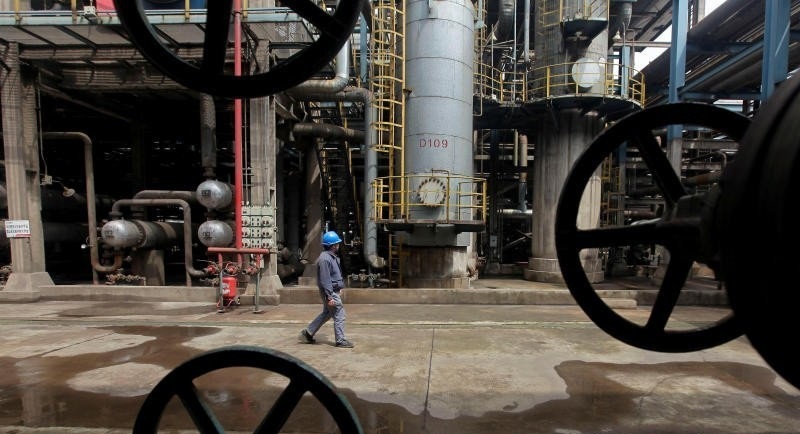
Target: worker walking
x=330 y=283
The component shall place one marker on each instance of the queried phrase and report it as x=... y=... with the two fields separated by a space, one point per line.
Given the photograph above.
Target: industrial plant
x=436 y=141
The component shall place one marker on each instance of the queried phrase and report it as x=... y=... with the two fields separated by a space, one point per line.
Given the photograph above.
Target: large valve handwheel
x=678 y=232
x=759 y=230
x=302 y=379
x=208 y=76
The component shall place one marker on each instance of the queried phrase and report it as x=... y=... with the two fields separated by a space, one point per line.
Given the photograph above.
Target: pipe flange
x=431 y=192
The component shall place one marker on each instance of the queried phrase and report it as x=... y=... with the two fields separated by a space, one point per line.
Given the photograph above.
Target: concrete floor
x=87 y=367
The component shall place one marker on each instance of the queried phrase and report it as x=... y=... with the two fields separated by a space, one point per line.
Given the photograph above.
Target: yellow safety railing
x=500 y=86
x=463 y=197
x=613 y=81
x=548 y=16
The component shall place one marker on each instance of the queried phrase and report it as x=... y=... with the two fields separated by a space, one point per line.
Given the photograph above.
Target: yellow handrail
x=463 y=197
x=613 y=80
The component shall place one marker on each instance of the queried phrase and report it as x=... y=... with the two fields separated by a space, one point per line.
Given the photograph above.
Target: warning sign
x=18 y=228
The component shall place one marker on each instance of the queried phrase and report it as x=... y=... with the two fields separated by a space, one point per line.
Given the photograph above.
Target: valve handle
x=209 y=76
x=680 y=235
x=759 y=232
x=302 y=378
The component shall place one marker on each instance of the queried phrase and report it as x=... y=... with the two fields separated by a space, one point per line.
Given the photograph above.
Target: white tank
x=214 y=194
x=215 y=233
x=121 y=234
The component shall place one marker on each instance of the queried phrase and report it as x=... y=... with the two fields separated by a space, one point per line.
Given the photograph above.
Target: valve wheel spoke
x=208 y=76
x=664 y=175
x=302 y=379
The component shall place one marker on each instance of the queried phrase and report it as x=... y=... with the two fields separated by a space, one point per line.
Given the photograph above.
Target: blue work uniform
x=330 y=283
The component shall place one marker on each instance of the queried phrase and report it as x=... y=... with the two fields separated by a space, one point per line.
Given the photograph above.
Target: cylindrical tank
x=214 y=194
x=121 y=233
x=141 y=233
x=438 y=133
x=215 y=233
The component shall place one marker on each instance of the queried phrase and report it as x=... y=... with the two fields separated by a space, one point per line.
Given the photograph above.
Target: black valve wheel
x=209 y=76
x=302 y=379
x=760 y=232
x=680 y=235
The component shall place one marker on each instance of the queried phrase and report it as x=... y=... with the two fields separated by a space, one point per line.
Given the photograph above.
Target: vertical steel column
x=677 y=76
x=775 y=63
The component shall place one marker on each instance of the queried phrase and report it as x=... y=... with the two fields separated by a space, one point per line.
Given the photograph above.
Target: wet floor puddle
x=81 y=390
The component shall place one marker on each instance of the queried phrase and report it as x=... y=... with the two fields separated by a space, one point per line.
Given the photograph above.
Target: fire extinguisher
x=229 y=287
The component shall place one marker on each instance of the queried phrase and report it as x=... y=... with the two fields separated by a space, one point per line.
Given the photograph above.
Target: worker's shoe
x=344 y=343
x=306 y=338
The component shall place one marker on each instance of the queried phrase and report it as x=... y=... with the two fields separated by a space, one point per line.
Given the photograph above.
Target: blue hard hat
x=330 y=238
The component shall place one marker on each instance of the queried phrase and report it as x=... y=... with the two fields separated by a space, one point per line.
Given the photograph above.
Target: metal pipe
x=188 y=196
x=91 y=201
x=523 y=173
x=237 y=124
x=327 y=131
x=703 y=179
x=208 y=136
x=335 y=84
x=187 y=228
x=156 y=235
x=527 y=29
x=351 y=93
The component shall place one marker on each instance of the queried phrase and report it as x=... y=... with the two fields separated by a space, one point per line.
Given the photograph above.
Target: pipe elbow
x=107 y=268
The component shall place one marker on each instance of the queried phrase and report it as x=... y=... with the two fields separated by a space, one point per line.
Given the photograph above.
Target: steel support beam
x=776 y=45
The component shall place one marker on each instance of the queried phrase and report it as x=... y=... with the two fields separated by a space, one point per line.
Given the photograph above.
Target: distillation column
x=572 y=53
x=438 y=141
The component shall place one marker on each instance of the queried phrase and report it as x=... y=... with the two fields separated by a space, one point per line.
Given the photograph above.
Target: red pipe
x=237 y=121
x=253 y=251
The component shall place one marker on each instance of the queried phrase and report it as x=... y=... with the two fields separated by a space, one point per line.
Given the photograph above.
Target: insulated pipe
x=187 y=228
x=370 y=228
x=208 y=136
x=527 y=29
x=141 y=234
x=327 y=131
x=703 y=179
x=91 y=206
x=188 y=196
x=342 y=71
x=351 y=93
